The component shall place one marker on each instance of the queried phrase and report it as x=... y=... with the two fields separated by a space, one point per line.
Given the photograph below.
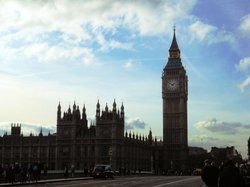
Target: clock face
x=174 y=55
x=172 y=84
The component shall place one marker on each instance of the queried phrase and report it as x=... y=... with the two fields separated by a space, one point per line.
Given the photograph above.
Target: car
x=197 y=171
x=103 y=171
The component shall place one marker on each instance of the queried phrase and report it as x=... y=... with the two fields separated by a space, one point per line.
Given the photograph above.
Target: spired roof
x=173 y=62
x=174 y=46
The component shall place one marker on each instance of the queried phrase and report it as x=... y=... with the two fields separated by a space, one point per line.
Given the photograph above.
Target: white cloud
x=245 y=25
x=129 y=64
x=155 y=17
x=135 y=123
x=221 y=127
x=44 y=52
x=106 y=45
x=245 y=84
x=214 y=133
x=204 y=32
x=26 y=128
x=200 y=30
x=243 y=65
x=83 y=22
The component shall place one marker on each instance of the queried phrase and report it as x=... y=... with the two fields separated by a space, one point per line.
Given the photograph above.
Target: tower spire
x=174 y=57
x=59 y=112
x=114 y=106
x=174 y=46
x=83 y=112
x=98 y=109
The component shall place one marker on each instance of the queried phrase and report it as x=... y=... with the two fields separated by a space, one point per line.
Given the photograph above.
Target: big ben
x=175 y=96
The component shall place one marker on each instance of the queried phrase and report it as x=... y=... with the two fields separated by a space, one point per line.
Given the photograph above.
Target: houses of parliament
x=106 y=141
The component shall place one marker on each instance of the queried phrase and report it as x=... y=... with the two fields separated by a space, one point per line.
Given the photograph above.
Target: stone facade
x=27 y=149
x=76 y=143
x=175 y=96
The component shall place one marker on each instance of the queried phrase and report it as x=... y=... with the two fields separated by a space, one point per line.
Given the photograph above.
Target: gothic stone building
x=76 y=143
x=103 y=143
x=16 y=148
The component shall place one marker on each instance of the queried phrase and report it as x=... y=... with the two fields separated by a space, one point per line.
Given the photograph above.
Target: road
x=146 y=181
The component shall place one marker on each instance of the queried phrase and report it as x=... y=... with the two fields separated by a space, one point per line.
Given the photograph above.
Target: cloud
x=243 y=65
x=245 y=25
x=213 y=125
x=27 y=128
x=244 y=84
x=48 y=26
x=200 y=30
x=129 y=64
x=135 y=123
x=205 y=32
x=44 y=52
x=246 y=126
x=107 y=45
x=207 y=142
x=203 y=138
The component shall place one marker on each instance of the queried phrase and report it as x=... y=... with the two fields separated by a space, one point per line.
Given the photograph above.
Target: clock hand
x=170 y=83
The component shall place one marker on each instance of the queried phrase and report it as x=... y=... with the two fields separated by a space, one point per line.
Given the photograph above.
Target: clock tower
x=175 y=96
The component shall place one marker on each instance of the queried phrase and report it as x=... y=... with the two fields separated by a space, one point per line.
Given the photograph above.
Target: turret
x=59 y=112
x=98 y=109
x=74 y=107
x=41 y=132
x=16 y=129
x=106 y=108
x=150 y=138
x=122 y=111
x=78 y=114
x=114 y=107
x=84 y=112
x=69 y=110
x=74 y=113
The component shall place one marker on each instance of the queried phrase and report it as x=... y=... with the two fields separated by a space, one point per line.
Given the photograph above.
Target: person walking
x=66 y=171
x=72 y=170
x=210 y=174
x=230 y=176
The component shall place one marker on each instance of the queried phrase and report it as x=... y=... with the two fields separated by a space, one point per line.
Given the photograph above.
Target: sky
x=82 y=51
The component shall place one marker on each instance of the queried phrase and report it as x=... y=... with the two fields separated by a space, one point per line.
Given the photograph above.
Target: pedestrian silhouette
x=230 y=176
x=210 y=174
